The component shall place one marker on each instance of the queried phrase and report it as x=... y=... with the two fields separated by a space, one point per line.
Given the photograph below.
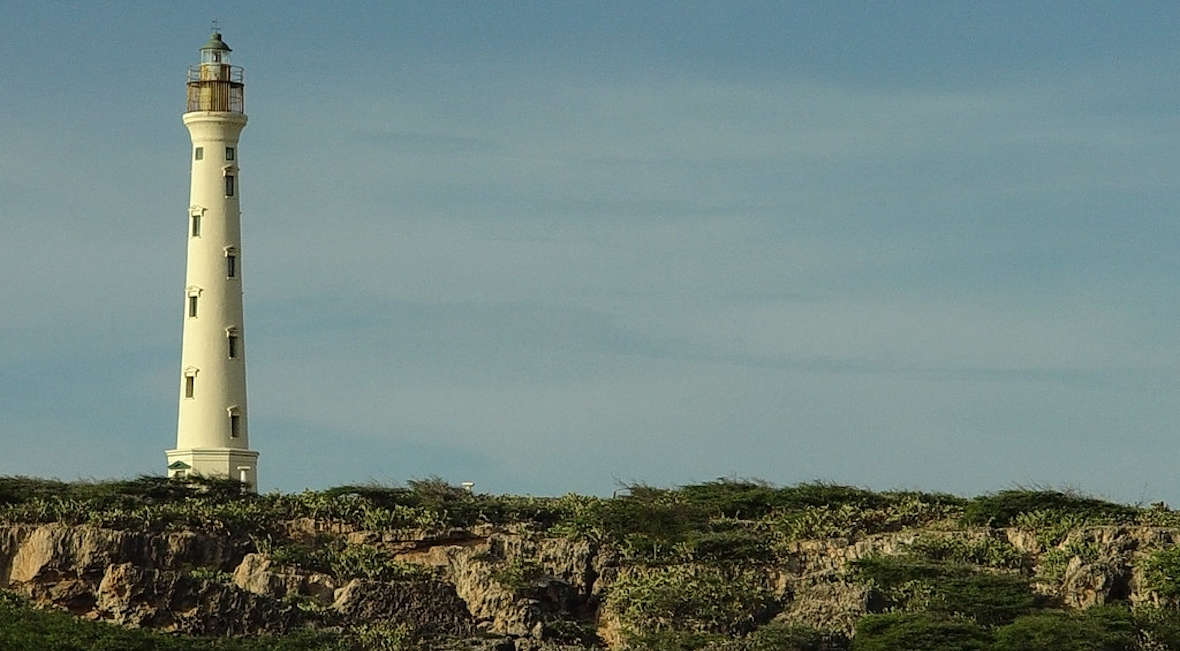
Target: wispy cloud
x=683 y=258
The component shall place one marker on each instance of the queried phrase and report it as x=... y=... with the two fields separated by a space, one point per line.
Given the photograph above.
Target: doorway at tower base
x=229 y=463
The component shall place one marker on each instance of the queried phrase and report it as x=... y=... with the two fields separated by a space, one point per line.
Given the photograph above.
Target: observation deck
x=215 y=87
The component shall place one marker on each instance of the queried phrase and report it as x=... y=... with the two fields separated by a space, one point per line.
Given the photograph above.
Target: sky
x=557 y=247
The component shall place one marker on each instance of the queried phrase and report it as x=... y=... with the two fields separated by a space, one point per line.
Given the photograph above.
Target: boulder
x=166 y=600
x=257 y=574
x=431 y=608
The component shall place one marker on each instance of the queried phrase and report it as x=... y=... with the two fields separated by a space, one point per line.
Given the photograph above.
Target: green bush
x=19 y=489
x=24 y=627
x=332 y=556
x=735 y=545
x=1161 y=571
x=1096 y=629
x=518 y=574
x=1051 y=566
x=694 y=598
x=210 y=574
x=1159 y=628
x=1000 y=509
x=387 y=638
x=825 y=494
x=1051 y=526
x=777 y=636
x=920 y=632
x=570 y=632
x=579 y=517
x=731 y=498
x=989 y=598
x=988 y=552
x=672 y=640
x=850 y=521
x=731 y=520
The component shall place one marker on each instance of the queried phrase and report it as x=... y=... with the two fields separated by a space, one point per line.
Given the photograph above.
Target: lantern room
x=215 y=51
x=215 y=85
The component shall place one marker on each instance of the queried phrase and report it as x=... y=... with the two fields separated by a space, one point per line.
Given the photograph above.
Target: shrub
x=1000 y=509
x=25 y=627
x=1051 y=526
x=850 y=521
x=1158 y=627
x=778 y=636
x=918 y=632
x=843 y=521
x=571 y=632
x=736 y=545
x=989 y=598
x=332 y=556
x=988 y=552
x=661 y=525
x=672 y=640
x=1161 y=571
x=19 y=489
x=579 y=517
x=690 y=598
x=733 y=498
x=365 y=562
x=518 y=574
x=825 y=494
x=1096 y=629
x=1051 y=566
x=213 y=575
x=387 y=638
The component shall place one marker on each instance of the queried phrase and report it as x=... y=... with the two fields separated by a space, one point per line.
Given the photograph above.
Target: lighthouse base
x=228 y=463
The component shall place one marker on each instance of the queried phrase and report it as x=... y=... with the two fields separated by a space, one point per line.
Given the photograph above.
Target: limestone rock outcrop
x=483 y=588
x=430 y=607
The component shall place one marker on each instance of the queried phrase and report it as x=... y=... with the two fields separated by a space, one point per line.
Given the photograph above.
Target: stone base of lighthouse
x=229 y=463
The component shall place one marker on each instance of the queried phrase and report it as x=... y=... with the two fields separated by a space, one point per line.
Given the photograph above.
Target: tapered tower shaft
x=212 y=435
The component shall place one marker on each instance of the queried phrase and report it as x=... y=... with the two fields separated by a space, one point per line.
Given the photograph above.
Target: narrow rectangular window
x=199 y=153
x=192 y=306
x=235 y=426
x=229 y=186
x=196 y=225
x=190 y=385
x=231 y=265
x=232 y=343
x=229 y=153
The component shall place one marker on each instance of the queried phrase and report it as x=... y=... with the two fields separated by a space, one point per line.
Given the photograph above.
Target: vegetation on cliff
x=724 y=565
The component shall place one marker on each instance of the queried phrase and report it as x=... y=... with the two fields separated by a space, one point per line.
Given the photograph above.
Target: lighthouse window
x=229 y=153
x=229 y=186
x=235 y=426
x=231 y=265
x=196 y=226
x=190 y=385
x=199 y=153
x=192 y=306
x=232 y=343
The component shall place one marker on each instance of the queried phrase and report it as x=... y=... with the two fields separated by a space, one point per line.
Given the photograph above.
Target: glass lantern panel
x=214 y=56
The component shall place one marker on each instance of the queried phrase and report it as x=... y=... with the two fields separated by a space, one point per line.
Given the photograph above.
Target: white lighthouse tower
x=212 y=438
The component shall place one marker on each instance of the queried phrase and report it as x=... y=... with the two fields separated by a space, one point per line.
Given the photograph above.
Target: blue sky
x=549 y=247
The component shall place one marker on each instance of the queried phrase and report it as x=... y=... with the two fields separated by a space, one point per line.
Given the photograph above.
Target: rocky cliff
x=520 y=585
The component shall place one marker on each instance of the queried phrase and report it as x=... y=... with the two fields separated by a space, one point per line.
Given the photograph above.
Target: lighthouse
x=212 y=436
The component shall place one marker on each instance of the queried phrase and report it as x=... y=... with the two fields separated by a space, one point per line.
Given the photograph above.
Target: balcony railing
x=216 y=72
x=215 y=87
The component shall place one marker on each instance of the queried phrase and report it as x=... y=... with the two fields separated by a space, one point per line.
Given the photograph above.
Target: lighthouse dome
x=215 y=50
x=215 y=43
